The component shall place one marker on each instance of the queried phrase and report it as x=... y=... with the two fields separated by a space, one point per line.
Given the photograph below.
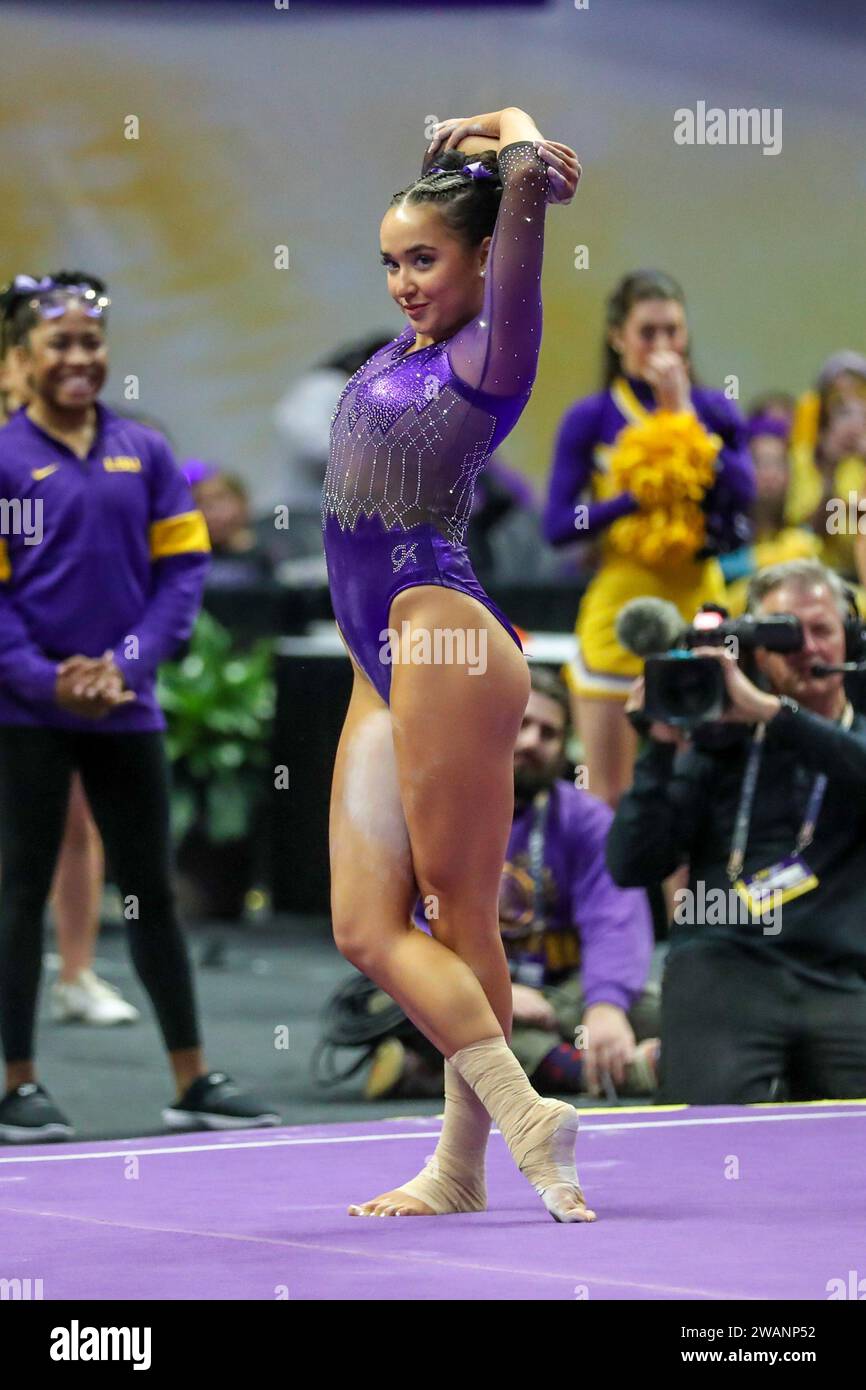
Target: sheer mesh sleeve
x=497 y=351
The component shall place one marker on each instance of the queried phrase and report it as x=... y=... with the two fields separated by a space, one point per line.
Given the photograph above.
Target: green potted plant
x=219 y=704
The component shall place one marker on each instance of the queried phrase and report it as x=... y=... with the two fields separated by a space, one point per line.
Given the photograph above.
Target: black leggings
x=125 y=777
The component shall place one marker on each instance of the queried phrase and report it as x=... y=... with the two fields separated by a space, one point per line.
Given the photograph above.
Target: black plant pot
x=218 y=873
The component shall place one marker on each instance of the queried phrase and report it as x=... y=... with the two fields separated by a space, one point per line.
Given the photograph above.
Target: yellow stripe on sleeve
x=179 y=535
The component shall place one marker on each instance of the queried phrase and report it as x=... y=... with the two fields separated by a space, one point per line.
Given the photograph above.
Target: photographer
x=764 y=998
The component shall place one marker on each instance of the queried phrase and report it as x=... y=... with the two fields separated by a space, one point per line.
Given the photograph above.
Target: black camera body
x=685 y=690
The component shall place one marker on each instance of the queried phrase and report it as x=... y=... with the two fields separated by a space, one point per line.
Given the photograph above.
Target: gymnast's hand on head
x=474 y=133
x=90 y=687
x=563 y=169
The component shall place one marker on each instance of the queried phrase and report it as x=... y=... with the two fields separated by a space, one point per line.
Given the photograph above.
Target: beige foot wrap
x=453 y=1179
x=539 y=1132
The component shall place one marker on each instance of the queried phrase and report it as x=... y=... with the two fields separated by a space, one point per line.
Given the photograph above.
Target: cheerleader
x=656 y=469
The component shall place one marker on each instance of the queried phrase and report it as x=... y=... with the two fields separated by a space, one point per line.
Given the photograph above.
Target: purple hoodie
x=103 y=552
x=605 y=930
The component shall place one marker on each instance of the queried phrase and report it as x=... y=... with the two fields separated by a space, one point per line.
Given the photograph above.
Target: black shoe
x=28 y=1115
x=215 y=1102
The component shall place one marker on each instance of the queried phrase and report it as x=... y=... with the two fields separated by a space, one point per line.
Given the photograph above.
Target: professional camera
x=682 y=689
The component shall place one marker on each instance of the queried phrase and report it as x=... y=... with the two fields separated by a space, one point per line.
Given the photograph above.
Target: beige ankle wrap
x=453 y=1179
x=539 y=1132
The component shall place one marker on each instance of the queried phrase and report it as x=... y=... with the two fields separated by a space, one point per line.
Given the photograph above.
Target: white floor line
x=666 y=1123
x=404 y=1257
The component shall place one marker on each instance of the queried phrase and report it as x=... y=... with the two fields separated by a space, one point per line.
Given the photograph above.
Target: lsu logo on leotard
x=402 y=554
x=122 y=464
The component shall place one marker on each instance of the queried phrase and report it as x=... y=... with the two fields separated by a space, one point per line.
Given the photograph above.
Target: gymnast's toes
x=567 y=1203
x=394 y=1203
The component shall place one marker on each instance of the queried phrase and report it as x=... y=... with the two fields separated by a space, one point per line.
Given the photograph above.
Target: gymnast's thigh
x=373 y=888
x=455 y=725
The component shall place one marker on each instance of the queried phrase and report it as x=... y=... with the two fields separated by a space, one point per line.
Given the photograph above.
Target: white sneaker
x=90 y=1000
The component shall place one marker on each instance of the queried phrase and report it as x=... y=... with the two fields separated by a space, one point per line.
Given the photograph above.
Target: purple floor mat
x=735 y=1203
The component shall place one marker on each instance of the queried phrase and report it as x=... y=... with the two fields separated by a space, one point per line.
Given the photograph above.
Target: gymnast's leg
x=455 y=724
x=453 y=734
x=373 y=890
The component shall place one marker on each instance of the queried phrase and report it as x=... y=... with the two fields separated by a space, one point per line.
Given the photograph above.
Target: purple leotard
x=413 y=429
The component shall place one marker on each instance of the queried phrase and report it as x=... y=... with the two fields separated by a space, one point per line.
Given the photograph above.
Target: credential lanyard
x=747 y=798
x=536 y=857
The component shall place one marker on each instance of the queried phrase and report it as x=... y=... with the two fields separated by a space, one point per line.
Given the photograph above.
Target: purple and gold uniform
x=413 y=429
x=103 y=552
x=587 y=434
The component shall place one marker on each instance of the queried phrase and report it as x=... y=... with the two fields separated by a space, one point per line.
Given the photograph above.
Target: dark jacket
x=682 y=809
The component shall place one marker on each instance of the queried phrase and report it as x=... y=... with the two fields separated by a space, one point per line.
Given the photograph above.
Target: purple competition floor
x=753 y=1202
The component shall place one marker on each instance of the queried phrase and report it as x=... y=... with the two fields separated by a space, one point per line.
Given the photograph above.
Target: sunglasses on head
x=50 y=300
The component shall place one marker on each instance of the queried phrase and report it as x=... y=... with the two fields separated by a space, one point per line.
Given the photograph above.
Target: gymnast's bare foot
x=567 y=1203
x=396 y=1203
x=436 y=1191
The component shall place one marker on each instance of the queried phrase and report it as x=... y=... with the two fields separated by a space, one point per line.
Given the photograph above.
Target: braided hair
x=469 y=206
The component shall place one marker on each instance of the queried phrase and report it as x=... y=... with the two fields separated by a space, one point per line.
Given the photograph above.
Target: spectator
x=762 y=998
x=237 y=558
x=829 y=459
x=773 y=542
x=579 y=948
x=780 y=406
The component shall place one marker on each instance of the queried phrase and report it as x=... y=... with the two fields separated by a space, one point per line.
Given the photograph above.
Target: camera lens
x=684 y=690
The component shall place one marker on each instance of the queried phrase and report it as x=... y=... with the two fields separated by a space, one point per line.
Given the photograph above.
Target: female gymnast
x=422 y=796
x=647 y=382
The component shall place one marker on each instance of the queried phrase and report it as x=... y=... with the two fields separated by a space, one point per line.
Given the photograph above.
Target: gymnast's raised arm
x=497 y=351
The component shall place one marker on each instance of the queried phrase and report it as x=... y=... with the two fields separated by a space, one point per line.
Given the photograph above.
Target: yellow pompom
x=667 y=462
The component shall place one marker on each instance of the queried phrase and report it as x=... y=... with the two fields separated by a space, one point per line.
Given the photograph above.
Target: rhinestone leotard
x=413 y=429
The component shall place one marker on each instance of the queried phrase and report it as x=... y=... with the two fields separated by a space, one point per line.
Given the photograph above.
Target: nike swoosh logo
x=39 y=473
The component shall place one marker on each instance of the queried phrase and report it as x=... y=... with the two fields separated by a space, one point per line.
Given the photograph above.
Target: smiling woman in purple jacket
x=655 y=468
x=102 y=562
